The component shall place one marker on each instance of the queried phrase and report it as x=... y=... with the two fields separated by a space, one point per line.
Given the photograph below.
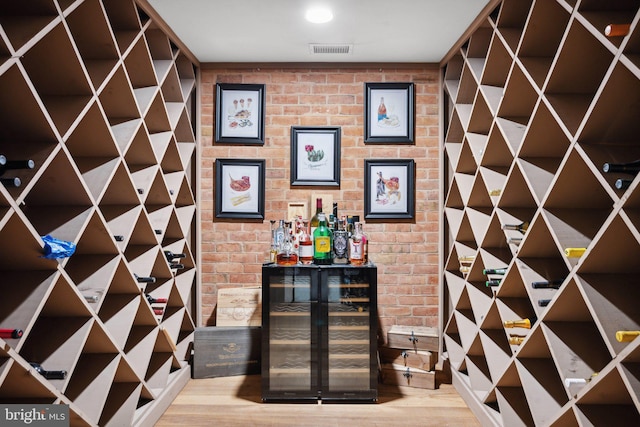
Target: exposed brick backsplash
x=406 y=253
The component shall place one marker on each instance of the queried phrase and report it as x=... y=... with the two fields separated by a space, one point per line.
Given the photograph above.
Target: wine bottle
x=515 y=339
x=153 y=300
x=544 y=302
x=15 y=164
x=520 y=323
x=140 y=190
x=118 y=238
x=158 y=311
x=494 y=282
x=617 y=30
x=10 y=333
x=171 y=256
x=622 y=184
x=495 y=192
x=547 y=284
x=157 y=231
x=631 y=168
x=464 y=269
x=176 y=266
x=514 y=240
x=466 y=258
x=50 y=375
x=148 y=279
x=626 y=336
x=574 y=252
x=91 y=298
x=11 y=182
x=522 y=227
x=495 y=270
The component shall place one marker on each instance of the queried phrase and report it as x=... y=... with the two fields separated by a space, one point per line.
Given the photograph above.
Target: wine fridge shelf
x=102 y=100
x=536 y=101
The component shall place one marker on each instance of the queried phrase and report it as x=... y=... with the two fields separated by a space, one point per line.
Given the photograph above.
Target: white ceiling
x=276 y=31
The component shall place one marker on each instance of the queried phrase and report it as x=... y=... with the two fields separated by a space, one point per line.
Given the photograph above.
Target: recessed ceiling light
x=319 y=15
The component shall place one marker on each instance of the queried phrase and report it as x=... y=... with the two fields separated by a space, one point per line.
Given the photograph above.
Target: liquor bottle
x=547 y=284
x=149 y=279
x=11 y=182
x=616 y=30
x=494 y=282
x=520 y=323
x=314 y=218
x=544 y=302
x=305 y=242
x=273 y=250
x=574 y=252
x=153 y=300
x=279 y=235
x=622 y=184
x=631 y=168
x=522 y=227
x=10 y=333
x=358 y=245
x=50 y=375
x=322 y=242
x=335 y=216
x=340 y=244
x=15 y=164
x=626 y=336
x=495 y=271
x=515 y=339
x=286 y=254
x=173 y=256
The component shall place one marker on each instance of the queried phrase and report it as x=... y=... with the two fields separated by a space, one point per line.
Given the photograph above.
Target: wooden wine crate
x=239 y=307
x=393 y=374
x=413 y=338
x=226 y=351
x=425 y=360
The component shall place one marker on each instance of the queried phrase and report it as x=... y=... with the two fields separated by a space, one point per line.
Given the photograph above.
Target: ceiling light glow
x=319 y=15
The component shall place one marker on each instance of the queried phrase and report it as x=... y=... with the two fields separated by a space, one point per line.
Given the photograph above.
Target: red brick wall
x=406 y=253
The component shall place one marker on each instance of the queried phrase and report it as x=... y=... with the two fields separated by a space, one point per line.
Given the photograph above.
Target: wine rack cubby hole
x=536 y=100
x=102 y=100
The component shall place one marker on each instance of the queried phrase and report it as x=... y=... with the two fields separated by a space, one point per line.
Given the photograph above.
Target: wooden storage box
x=226 y=351
x=425 y=360
x=413 y=338
x=393 y=374
x=239 y=307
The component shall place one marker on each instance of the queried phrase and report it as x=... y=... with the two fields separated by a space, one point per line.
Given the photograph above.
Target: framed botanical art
x=389 y=113
x=240 y=111
x=315 y=156
x=239 y=188
x=389 y=189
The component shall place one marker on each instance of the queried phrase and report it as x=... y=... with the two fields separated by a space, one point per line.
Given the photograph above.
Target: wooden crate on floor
x=394 y=374
x=226 y=351
x=425 y=360
x=413 y=338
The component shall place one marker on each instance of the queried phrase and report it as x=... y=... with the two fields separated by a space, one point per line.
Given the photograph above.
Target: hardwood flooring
x=235 y=401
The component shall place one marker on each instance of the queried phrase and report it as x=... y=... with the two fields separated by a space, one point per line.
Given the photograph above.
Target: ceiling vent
x=331 y=48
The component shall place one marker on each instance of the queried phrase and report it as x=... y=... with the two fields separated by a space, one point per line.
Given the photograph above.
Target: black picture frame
x=389 y=110
x=239 y=188
x=389 y=189
x=240 y=113
x=315 y=156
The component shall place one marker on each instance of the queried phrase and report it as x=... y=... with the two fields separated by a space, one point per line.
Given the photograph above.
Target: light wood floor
x=235 y=401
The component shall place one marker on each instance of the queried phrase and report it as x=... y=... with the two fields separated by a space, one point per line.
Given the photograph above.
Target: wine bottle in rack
x=176 y=266
x=574 y=252
x=616 y=30
x=514 y=240
x=143 y=279
x=11 y=333
x=157 y=231
x=631 y=168
x=499 y=271
x=50 y=375
x=516 y=339
x=626 y=336
x=464 y=269
x=153 y=300
x=173 y=256
x=91 y=298
x=520 y=323
x=544 y=302
x=522 y=227
x=495 y=192
x=159 y=311
x=15 y=164
x=547 y=284
x=118 y=238
x=494 y=282
x=466 y=259
x=622 y=184
x=11 y=182
x=140 y=190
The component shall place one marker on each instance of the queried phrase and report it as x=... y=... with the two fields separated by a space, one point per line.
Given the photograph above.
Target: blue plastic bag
x=56 y=248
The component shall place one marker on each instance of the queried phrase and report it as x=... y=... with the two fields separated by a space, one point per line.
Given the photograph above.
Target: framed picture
x=240 y=113
x=388 y=113
x=389 y=189
x=240 y=188
x=315 y=156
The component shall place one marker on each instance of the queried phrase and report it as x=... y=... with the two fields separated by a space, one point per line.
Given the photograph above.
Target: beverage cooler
x=319 y=333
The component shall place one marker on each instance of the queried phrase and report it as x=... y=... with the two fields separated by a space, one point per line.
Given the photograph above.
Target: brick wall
x=406 y=253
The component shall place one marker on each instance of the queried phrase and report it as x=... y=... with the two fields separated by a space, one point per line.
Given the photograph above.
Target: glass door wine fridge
x=319 y=333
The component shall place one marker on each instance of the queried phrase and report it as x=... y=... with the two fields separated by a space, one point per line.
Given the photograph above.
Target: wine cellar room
x=212 y=210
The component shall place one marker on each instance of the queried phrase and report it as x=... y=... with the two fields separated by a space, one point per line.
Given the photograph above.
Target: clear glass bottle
x=305 y=242
x=357 y=245
x=340 y=244
x=322 y=242
x=286 y=253
x=279 y=237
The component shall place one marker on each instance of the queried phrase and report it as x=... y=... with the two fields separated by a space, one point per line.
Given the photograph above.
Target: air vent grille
x=330 y=48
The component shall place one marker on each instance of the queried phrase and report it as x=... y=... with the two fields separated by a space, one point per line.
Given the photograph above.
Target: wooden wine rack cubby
x=535 y=101
x=104 y=102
